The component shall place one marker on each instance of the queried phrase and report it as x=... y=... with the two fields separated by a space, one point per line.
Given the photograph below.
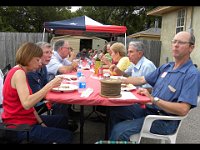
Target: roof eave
x=159 y=11
x=144 y=35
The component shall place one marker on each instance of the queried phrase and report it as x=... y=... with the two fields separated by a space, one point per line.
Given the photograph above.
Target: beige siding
x=98 y=43
x=169 y=28
x=167 y=33
x=74 y=41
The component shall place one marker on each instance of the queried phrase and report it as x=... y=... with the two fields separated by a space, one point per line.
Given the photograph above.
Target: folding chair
x=145 y=131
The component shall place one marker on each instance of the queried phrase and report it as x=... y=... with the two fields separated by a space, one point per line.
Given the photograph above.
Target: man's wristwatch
x=155 y=100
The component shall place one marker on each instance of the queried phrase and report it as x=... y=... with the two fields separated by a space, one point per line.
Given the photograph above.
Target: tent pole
x=43 y=35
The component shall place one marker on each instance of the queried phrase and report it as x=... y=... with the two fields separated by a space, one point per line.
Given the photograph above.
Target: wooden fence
x=152 y=49
x=10 y=42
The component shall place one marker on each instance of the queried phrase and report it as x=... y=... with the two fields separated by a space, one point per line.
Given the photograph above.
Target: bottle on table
x=79 y=72
x=81 y=83
x=100 y=71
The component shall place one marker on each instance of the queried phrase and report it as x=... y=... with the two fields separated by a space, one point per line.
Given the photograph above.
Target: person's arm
x=115 y=70
x=72 y=56
x=177 y=108
x=19 y=82
x=134 y=80
x=106 y=61
x=40 y=121
x=68 y=69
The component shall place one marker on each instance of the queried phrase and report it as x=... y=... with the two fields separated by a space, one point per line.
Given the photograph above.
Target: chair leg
x=163 y=141
x=135 y=138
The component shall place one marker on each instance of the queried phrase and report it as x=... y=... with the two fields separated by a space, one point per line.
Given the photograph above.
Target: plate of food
x=68 y=78
x=127 y=87
x=65 y=88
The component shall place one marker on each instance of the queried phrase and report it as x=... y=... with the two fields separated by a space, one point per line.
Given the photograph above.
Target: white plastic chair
x=145 y=131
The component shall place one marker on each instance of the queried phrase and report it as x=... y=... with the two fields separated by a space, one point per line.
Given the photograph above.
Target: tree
x=133 y=17
x=30 y=18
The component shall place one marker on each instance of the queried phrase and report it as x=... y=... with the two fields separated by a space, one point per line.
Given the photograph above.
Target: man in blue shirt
x=38 y=80
x=175 y=90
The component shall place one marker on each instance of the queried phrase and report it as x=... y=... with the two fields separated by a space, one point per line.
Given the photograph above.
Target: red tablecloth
x=94 y=98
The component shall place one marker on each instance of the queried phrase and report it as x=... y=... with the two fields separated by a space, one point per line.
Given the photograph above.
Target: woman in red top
x=19 y=102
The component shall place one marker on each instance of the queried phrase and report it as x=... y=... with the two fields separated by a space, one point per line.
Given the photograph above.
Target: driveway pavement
x=188 y=133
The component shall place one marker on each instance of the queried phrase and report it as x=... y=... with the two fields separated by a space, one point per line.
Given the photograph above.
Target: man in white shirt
x=58 y=63
x=140 y=66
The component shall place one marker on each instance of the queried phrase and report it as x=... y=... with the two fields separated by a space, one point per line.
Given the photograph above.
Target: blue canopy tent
x=84 y=26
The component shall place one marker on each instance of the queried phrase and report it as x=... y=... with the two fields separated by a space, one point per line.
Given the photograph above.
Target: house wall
x=98 y=44
x=168 y=31
x=149 y=38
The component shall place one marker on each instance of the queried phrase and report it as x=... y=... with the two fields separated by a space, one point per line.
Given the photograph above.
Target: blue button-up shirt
x=179 y=85
x=38 y=79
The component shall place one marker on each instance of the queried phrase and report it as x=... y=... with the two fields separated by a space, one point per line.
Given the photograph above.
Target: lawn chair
x=145 y=131
x=5 y=71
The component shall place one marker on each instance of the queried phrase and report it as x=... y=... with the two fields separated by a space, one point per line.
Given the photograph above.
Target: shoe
x=72 y=125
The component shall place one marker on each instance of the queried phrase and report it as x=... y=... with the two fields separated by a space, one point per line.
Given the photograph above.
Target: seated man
x=140 y=66
x=83 y=54
x=38 y=80
x=58 y=63
x=175 y=90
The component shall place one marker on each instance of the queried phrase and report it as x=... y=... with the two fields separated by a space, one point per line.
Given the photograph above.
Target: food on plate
x=124 y=85
x=86 y=68
x=64 y=86
x=73 y=78
x=127 y=87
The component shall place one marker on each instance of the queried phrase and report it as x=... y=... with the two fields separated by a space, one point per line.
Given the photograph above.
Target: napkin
x=87 y=92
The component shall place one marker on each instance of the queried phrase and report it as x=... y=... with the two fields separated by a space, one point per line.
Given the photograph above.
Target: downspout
x=191 y=21
x=43 y=35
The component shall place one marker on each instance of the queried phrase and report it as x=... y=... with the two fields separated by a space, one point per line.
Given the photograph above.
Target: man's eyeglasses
x=181 y=42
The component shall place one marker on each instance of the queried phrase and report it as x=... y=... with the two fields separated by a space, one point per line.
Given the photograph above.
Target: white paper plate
x=128 y=87
x=65 y=88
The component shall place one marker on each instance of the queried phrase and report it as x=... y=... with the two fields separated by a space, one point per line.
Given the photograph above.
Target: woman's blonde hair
x=119 y=48
x=26 y=52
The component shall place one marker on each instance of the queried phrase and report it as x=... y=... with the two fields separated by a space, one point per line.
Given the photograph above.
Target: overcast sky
x=74 y=8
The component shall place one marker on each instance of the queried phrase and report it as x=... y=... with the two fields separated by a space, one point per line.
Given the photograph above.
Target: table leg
x=107 y=123
x=81 y=124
